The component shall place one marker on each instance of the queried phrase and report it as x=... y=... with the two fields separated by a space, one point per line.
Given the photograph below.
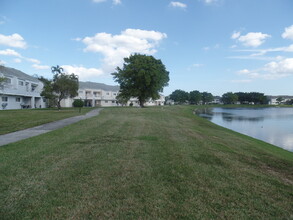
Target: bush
x=78 y=103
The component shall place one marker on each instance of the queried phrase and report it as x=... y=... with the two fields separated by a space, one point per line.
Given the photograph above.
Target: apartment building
x=94 y=94
x=19 y=90
x=98 y=94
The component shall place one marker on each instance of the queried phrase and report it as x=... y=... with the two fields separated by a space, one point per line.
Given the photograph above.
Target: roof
x=6 y=71
x=94 y=85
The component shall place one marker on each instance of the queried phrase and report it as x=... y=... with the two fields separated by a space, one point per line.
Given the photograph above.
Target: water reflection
x=273 y=125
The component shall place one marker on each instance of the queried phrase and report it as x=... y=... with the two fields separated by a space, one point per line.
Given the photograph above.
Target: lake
x=273 y=125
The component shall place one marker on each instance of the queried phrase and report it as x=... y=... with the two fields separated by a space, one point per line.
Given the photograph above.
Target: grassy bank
x=153 y=163
x=14 y=120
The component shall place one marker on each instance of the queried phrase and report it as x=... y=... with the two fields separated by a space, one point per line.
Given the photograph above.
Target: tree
x=289 y=102
x=207 y=97
x=78 y=103
x=279 y=100
x=2 y=82
x=61 y=87
x=195 y=97
x=48 y=93
x=122 y=100
x=229 y=98
x=142 y=76
x=179 y=96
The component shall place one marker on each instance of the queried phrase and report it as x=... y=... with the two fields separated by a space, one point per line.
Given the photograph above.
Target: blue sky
x=207 y=45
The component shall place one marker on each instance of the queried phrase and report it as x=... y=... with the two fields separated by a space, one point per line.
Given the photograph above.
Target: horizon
x=216 y=46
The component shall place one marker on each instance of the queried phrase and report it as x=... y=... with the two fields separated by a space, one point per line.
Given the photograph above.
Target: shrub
x=78 y=103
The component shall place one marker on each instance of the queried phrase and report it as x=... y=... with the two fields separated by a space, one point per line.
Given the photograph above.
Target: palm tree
x=57 y=69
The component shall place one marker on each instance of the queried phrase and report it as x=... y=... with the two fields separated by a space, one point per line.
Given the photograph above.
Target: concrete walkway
x=41 y=129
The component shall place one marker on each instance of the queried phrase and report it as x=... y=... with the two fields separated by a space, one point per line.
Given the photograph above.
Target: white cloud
x=197 y=65
x=178 y=5
x=116 y=47
x=117 y=2
x=252 y=39
x=9 y=52
x=273 y=70
x=2 y=62
x=32 y=60
x=14 y=40
x=82 y=72
x=17 y=60
x=235 y=35
x=40 y=67
x=209 y=2
x=259 y=53
x=288 y=34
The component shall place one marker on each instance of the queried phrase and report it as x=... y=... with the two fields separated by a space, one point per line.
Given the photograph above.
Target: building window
x=8 y=80
x=33 y=87
x=107 y=93
x=20 y=83
x=114 y=94
x=106 y=101
x=96 y=94
x=17 y=99
x=113 y=101
x=4 y=99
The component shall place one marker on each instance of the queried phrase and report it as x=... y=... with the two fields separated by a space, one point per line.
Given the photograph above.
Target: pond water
x=272 y=125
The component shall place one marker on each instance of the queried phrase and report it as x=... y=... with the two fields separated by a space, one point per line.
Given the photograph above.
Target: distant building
x=98 y=94
x=217 y=100
x=19 y=90
x=273 y=99
x=94 y=94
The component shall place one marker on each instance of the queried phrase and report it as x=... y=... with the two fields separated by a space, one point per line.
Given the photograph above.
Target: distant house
x=273 y=99
x=19 y=90
x=98 y=94
x=150 y=102
x=217 y=100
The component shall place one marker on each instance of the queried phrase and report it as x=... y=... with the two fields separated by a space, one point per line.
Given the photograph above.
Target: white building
x=99 y=94
x=94 y=94
x=19 y=90
x=273 y=99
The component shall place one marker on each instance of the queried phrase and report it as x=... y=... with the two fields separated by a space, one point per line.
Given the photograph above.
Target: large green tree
x=141 y=76
x=229 y=98
x=61 y=87
x=207 y=97
x=179 y=96
x=195 y=97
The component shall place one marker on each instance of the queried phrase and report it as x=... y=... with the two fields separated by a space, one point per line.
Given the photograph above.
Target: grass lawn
x=152 y=163
x=14 y=120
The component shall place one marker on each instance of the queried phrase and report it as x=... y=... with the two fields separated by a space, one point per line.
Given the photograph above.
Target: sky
x=216 y=46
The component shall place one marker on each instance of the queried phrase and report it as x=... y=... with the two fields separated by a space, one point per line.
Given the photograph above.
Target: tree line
x=194 y=97
x=245 y=98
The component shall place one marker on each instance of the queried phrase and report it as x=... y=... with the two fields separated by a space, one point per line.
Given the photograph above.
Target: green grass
x=14 y=120
x=152 y=163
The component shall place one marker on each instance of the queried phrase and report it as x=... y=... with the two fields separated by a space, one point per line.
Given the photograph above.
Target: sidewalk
x=41 y=129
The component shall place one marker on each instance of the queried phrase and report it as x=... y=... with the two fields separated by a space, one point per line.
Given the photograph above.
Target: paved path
x=41 y=129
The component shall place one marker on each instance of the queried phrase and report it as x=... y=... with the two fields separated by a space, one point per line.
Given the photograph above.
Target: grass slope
x=153 y=163
x=15 y=120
